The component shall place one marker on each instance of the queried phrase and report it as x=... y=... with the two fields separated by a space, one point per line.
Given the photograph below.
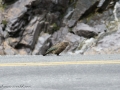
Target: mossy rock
x=4 y=22
x=55 y=26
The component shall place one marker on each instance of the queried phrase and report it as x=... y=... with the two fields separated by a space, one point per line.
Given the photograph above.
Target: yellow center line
x=60 y=63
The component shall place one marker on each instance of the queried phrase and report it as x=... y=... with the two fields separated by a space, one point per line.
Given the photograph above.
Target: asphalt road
x=38 y=73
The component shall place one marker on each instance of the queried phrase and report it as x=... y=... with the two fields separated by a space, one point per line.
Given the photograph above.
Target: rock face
x=33 y=26
x=1 y=35
x=1 y=51
x=108 y=45
x=82 y=7
x=42 y=45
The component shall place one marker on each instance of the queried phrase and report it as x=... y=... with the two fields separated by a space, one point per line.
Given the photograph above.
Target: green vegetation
x=2 y=6
x=4 y=22
x=52 y=28
x=70 y=29
x=55 y=26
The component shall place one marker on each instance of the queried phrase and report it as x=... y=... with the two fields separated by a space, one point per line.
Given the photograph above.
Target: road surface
x=60 y=73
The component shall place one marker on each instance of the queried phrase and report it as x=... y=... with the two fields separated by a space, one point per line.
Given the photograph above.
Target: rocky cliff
x=31 y=27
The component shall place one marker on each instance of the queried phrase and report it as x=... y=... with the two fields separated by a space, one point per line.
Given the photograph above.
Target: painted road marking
x=60 y=63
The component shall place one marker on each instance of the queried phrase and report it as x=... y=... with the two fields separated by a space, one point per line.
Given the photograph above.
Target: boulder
x=85 y=30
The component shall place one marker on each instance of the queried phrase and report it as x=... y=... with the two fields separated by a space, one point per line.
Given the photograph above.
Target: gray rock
x=74 y=41
x=23 y=52
x=17 y=9
x=2 y=50
x=81 y=7
x=71 y=23
x=8 y=50
x=28 y=20
x=1 y=35
x=85 y=30
x=105 y=4
x=16 y=17
x=107 y=45
x=100 y=28
x=13 y=42
x=42 y=45
x=31 y=34
x=101 y=3
x=59 y=35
